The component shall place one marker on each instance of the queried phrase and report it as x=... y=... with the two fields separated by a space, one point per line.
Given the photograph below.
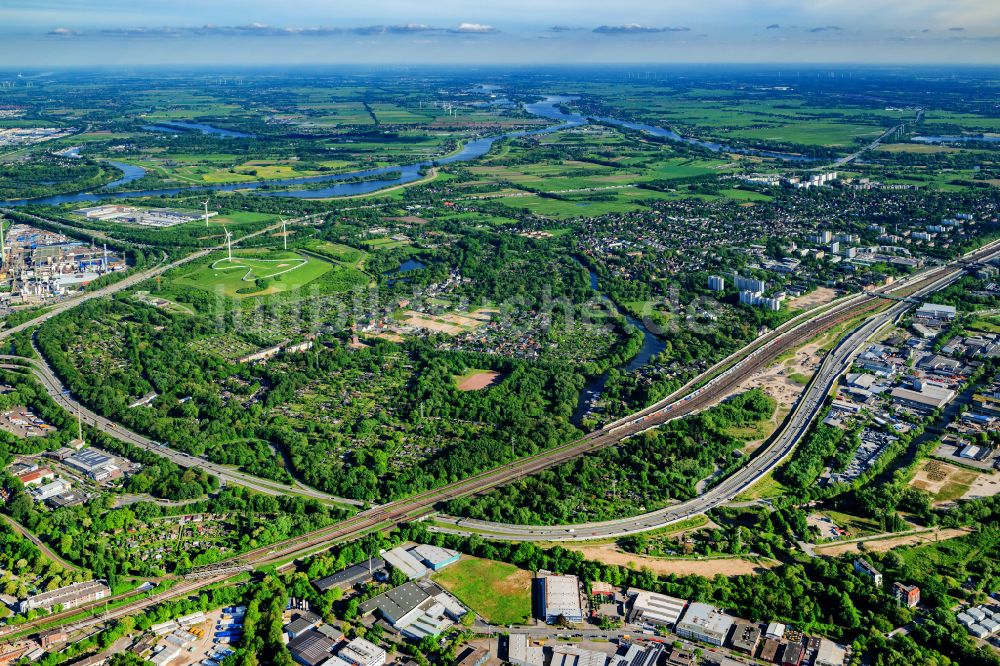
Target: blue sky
x=46 y=33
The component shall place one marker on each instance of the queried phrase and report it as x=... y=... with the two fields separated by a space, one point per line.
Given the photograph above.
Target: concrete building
x=830 y=654
x=93 y=463
x=36 y=477
x=68 y=597
x=927 y=396
x=311 y=648
x=50 y=490
x=434 y=557
x=793 y=655
x=775 y=631
x=745 y=637
x=561 y=594
x=401 y=559
x=865 y=568
x=301 y=624
x=716 y=283
x=935 y=311
x=638 y=655
x=473 y=657
x=748 y=284
x=705 y=623
x=908 y=595
x=351 y=576
x=360 y=652
x=652 y=608
x=570 y=655
x=602 y=590
x=521 y=652
x=416 y=610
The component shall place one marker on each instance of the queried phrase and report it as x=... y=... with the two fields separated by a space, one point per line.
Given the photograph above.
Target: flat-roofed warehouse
x=351 y=576
x=521 y=652
x=561 y=598
x=88 y=460
x=928 y=396
x=434 y=557
x=653 y=608
x=702 y=622
x=570 y=655
x=401 y=559
x=70 y=596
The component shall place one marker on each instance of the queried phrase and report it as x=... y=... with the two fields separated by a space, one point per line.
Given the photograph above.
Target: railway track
x=671 y=408
x=653 y=416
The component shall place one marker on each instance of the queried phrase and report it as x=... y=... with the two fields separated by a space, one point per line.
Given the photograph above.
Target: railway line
x=710 y=389
x=662 y=412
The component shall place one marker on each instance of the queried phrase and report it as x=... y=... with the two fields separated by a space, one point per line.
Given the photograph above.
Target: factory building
x=705 y=623
x=561 y=594
x=652 y=608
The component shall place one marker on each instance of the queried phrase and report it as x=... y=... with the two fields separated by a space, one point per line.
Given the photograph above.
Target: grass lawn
x=497 y=591
x=767 y=488
x=283 y=271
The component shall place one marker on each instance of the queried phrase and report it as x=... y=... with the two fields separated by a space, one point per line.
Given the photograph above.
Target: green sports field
x=255 y=274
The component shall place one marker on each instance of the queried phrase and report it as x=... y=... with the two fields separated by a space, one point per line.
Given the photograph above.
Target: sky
x=64 y=33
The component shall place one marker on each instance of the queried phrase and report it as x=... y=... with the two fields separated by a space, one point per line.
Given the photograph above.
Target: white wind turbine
x=284 y=232
x=229 y=243
x=205 y=202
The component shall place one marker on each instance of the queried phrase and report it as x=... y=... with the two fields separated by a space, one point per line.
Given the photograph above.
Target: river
x=174 y=125
x=402 y=174
x=651 y=346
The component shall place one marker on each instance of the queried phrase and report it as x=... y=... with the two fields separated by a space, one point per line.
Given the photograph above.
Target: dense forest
x=642 y=473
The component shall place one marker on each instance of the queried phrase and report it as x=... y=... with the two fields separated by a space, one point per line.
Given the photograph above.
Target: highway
x=422 y=504
x=58 y=392
x=808 y=406
x=52 y=385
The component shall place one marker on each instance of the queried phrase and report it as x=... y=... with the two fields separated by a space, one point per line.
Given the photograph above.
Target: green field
x=256 y=274
x=497 y=591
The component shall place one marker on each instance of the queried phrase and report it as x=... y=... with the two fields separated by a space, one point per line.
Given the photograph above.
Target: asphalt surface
x=62 y=396
x=808 y=406
x=422 y=504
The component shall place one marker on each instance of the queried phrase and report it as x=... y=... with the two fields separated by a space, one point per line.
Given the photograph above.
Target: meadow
x=497 y=591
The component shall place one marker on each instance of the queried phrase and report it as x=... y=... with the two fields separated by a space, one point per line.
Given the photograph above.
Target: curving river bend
x=401 y=174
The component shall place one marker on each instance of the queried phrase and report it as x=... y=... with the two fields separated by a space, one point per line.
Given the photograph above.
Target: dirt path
x=882 y=543
x=709 y=568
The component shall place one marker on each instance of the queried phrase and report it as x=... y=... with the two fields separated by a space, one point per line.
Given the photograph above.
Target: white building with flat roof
x=360 y=652
x=521 y=652
x=935 y=311
x=562 y=598
x=654 y=608
x=570 y=655
x=402 y=559
x=705 y=623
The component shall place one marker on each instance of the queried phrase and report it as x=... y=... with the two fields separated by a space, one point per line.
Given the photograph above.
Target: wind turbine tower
x=3 y=246
x=284 y=232
x=205 y=202
x=229 y=243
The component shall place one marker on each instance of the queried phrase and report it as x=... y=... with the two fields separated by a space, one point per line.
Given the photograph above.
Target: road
x=42 y=546
x=871 y=146
x=423 y=503
x=58 y=392
x=808 y=406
